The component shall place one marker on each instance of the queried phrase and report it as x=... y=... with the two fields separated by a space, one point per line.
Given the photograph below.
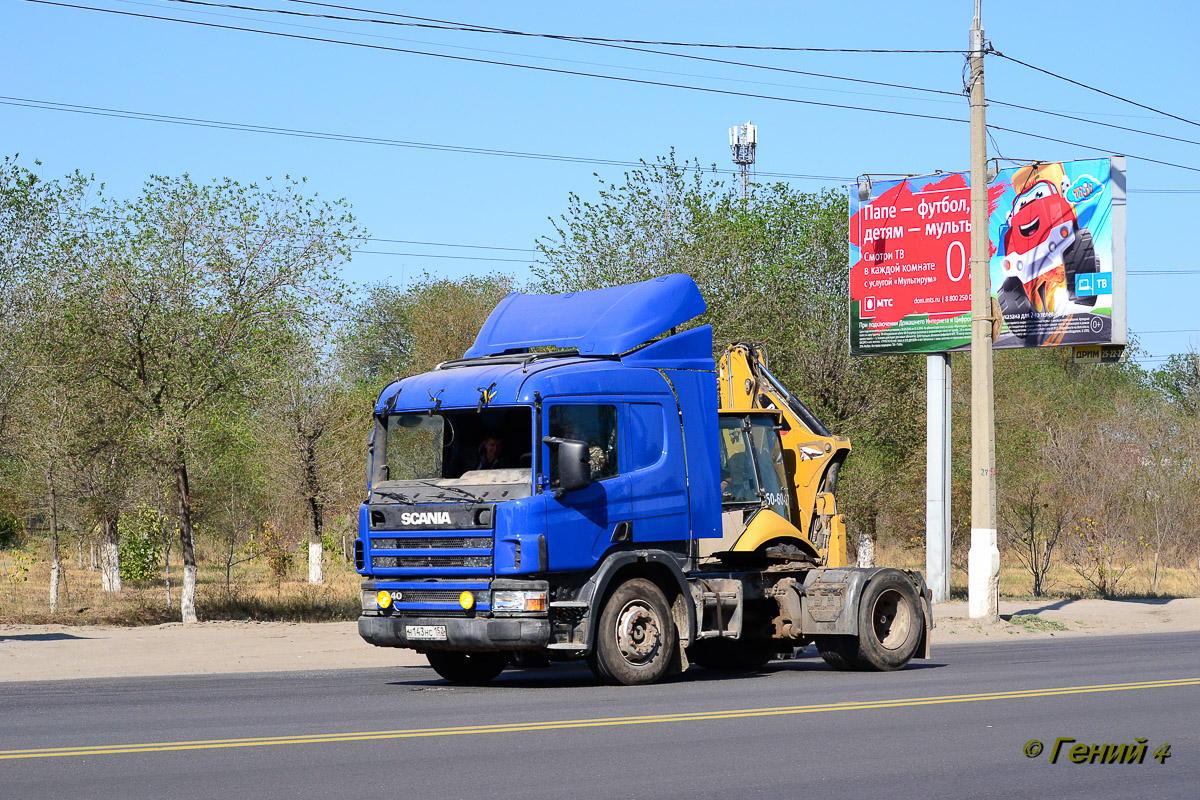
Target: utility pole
x=983 y=561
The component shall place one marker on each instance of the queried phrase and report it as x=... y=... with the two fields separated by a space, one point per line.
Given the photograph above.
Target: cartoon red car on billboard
x=1043 y=250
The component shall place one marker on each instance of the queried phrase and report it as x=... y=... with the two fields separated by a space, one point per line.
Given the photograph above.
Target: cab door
x=580 y=524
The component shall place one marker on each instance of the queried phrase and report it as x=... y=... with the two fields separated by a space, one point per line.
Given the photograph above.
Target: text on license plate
x=426 y=632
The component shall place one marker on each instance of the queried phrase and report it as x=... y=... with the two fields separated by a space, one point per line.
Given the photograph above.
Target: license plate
x=429 y=633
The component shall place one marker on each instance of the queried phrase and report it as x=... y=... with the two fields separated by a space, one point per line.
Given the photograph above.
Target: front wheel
x=635 y=637
x=471 y=669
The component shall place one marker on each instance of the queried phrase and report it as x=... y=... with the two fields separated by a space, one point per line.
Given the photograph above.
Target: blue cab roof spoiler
x=599 y=322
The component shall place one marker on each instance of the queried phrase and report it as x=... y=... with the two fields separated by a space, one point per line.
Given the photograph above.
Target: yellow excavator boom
x=812 y=455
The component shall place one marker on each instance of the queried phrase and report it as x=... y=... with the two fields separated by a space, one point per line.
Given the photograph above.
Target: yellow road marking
x=522 y=727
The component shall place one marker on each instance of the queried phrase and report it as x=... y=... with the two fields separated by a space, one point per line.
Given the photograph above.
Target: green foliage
x=21 y=562
x=1179 y=380
x=395 y=332
x=11 y=529
x=279 y=554
x=140 y=544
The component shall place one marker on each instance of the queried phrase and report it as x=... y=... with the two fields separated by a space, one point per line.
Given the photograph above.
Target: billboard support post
x=937 y=475
x=983 y=560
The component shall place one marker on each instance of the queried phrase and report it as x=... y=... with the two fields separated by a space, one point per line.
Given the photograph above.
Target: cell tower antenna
x=743 y=141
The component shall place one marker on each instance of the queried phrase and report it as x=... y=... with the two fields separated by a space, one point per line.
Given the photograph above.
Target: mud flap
x=679 y=614
x=924 y=649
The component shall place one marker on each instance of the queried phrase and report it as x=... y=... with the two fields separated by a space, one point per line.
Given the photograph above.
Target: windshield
x=450 y=455
x=1040 y=191
x=752 y=469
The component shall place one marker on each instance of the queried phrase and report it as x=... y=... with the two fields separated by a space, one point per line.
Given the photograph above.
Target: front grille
x=433 y=543
x=431 y=561
x=429 y=596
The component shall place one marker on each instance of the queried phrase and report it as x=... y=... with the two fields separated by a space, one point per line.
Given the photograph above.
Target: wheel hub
x=638 y=634
x=892 y=619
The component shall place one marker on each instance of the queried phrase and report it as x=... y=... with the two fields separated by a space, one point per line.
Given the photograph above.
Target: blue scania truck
x=572 y=488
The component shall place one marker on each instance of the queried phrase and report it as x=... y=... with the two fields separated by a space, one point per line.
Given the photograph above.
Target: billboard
x=1056 y=235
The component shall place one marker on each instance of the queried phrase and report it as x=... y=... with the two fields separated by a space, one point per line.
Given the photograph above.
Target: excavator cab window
x=752 y=469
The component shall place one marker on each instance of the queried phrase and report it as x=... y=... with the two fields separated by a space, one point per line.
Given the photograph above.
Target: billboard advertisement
x=1056 y=235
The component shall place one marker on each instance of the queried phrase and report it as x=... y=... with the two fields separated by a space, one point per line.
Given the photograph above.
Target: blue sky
x=105 y=60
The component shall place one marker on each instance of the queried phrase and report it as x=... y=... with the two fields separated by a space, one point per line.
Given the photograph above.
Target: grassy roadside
x=253 y=594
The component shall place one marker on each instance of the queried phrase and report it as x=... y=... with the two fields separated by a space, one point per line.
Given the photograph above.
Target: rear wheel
x=890 y=622
x=839 y=652
x=635 y=637
x=890 y=626
x=472 y=669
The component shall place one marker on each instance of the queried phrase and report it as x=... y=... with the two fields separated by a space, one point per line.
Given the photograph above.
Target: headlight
x=383 y=599
x=518 y=601
x=466 y=600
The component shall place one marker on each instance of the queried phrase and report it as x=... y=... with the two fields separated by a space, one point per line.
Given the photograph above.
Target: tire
x=1015 y=307
x=839 y=652
x=1080 y=259
x=734 y=655
x=469 y=669
x=890 y=622
x=636 y=641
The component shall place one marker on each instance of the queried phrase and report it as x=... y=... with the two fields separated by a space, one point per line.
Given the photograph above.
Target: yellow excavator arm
x=812 y=455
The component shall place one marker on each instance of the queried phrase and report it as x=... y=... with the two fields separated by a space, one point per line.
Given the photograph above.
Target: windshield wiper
x=395 y=496
x=461 y=492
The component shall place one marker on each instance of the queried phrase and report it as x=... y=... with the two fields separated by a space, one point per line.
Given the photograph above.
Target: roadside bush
x=140 y=545
x=10 y=529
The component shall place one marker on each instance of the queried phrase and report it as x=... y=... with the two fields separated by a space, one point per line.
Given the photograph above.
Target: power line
x=446 y=25
x=574 y=73
x=439 y=255
x=444 y=244
x=1090 y=147
x=143 y=116
x=1094 y=89
x=1062 y=115
x=553 y=70
x=485 y=29
x=540 y=57
x=471 y=27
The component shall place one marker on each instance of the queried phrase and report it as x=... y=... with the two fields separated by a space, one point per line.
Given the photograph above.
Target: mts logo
x=871 y=304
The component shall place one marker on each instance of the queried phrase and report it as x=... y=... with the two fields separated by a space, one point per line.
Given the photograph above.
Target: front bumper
x=462 y=633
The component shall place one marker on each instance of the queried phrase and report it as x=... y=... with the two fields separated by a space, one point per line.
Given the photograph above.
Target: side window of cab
x=596 y=425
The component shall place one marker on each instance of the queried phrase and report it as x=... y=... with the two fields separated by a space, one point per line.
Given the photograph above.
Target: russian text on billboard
x=1055 y=274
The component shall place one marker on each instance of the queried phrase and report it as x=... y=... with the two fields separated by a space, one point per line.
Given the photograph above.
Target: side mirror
x=574 y=463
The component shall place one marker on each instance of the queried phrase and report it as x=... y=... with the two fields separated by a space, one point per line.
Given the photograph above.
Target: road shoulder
x=65 y=652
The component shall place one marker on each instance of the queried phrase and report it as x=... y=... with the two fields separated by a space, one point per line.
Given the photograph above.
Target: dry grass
x=252 y=595
x=1062 y=582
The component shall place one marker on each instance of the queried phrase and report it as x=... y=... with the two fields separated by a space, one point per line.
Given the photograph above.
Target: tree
x=309 y=406
x=1179 y=380
x=395 y=332
x=1093 y=459
x=189 y=300
x=38 y=240
x=1032 y=522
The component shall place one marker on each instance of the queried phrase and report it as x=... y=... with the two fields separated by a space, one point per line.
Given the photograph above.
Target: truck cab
x=556 y=493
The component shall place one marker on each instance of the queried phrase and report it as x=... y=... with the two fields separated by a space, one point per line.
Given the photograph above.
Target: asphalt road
x=952 y=727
